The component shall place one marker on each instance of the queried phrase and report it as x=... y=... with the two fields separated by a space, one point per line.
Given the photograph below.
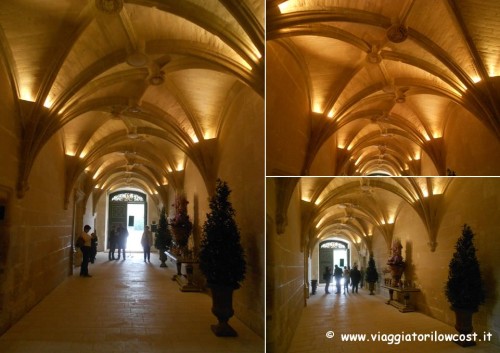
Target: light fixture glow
x=48 y=103
x=317 y=108
x=476 y=79
x=284 y=6
x=26 y=94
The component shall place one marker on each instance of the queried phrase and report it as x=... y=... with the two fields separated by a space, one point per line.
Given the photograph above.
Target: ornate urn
x=396 y=264
x=181 y=225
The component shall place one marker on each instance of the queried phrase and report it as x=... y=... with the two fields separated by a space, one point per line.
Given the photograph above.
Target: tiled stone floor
x=364 y=313
x=127 y=306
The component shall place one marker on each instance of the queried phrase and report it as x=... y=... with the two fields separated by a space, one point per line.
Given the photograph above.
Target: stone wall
x=460 y=156
x=285 y=273
x=36 y=236
x=473 y=201
x=288 y=131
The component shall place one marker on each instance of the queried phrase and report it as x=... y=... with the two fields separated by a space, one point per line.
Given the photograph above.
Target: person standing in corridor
x=337 y=273
x=121 y=241
x=327 y=276
x=146 y=242
x=355 y=278
x=112 y=243
x=84 y=268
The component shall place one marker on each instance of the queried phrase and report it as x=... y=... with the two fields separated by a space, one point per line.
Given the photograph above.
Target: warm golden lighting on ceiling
x=284 y=6
x=209 y=134
x=320 y=222
x=476 y=79
x=26 y=94
x=317 y=108
x=48 y=103
x=438 y=185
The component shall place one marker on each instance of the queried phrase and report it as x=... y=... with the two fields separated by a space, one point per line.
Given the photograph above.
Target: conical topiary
x=221 y=255
x=464 y=288
x=163 y=238
x=371 y=272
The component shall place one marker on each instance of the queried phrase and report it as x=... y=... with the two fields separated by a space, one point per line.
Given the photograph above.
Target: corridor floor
x=127 y=306
x=367 y=314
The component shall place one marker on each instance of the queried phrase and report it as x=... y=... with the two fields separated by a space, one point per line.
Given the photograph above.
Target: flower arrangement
x=180 y=223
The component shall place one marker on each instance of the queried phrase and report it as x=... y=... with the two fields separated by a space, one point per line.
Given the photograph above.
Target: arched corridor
x=127 y=306
x=426 y=215
x=382 y=87
x=160 y=97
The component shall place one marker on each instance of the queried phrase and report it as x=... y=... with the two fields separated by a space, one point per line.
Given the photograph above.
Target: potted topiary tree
x=371 y=274
x=163 y=238
x=464 y=288
x=221 y=257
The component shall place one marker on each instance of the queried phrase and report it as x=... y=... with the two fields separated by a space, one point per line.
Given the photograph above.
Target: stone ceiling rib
x=415 y=76
x=93 y=96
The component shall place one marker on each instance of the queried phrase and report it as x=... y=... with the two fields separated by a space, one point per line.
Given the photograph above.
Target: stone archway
x=129 y=208
x=333 y=252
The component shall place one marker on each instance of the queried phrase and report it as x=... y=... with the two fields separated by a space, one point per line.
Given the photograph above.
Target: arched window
x=333 y=244
x=127 y=197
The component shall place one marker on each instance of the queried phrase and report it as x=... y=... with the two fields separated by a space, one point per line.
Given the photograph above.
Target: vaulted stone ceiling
x=135 y=88
x=386 y=78
x=355 y=208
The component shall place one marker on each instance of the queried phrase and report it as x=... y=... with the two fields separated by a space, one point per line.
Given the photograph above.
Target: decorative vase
x=396 y=273
x=163 y=258
x=463 y=324
x=222 y=308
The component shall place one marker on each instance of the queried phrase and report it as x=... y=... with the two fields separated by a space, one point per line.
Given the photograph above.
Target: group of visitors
x=117 y=241
x=351 y=277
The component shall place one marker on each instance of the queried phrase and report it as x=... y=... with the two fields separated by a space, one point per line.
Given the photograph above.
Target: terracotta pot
x=463 y=324
x=222 y=308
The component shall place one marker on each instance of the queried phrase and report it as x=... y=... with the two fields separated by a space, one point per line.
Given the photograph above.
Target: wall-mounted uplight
x=48 y=103
x=284 y=6
x=317 y=108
